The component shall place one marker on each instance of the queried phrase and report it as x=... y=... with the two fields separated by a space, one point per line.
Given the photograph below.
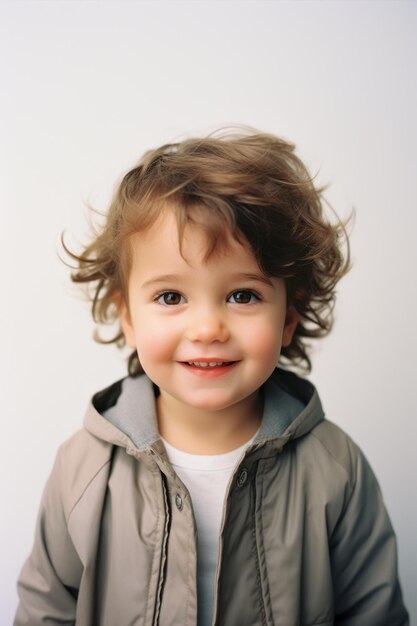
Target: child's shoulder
x=336 y=442
x=320 y=443
x=339 y=451
x=85 y=449
x=81 y=460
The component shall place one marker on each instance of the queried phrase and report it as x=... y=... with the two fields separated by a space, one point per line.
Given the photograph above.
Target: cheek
x=264 y=340
x=154 y=345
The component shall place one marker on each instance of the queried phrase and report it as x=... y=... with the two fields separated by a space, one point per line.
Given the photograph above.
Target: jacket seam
x=351 y=481
x=189 y=548
x=155 y=474
x=258 y=565
x=107 y=462
x=336 y=460
x=163 y=558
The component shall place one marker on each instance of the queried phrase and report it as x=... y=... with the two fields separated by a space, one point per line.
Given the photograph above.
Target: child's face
x=208 y=333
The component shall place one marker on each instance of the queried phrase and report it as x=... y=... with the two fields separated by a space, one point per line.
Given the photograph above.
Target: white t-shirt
x=206 y=478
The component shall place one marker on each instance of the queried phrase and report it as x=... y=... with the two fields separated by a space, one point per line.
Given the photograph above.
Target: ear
x=125 y=320
x=291 y=320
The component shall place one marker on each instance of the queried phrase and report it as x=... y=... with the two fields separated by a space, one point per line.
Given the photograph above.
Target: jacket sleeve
x=364 y=557
x=47 y=585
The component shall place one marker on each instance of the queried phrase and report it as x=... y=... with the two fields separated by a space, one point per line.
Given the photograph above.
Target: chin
x=210 y=403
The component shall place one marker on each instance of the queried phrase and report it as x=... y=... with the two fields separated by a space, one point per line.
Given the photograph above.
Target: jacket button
x=178 y=502
x=242 y=477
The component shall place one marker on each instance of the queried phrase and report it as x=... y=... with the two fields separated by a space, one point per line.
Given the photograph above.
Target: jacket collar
x=291 y=409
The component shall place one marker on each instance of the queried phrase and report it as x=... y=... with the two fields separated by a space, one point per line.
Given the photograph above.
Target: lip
x=209 y=372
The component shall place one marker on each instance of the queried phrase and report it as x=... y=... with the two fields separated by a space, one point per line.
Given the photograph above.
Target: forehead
x=160 y=246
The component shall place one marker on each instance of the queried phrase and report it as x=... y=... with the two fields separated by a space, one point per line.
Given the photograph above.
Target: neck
x=199 y=431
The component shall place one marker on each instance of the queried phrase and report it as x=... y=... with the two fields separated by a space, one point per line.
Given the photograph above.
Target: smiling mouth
x=209 y=364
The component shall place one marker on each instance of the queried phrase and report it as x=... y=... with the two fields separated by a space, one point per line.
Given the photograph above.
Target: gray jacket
x=305 y=537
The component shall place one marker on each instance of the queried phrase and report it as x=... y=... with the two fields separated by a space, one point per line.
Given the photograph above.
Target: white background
x=87 y=87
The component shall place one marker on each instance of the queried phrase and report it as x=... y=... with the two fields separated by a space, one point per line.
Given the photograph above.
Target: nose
x=208 y=327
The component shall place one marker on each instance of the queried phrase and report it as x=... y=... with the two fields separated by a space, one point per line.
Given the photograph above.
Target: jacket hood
x=124 y=413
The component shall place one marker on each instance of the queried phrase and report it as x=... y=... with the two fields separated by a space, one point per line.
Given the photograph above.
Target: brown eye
x=243 y=297
x=170 y=298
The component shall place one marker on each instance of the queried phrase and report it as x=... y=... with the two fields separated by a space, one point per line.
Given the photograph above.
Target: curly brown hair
x=250 y=185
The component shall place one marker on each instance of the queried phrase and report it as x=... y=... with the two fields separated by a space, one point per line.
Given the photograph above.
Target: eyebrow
x=164 y=278
x=261 y=278
x=241 y=276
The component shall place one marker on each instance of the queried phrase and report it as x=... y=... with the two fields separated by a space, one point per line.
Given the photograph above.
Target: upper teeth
x=206 y=363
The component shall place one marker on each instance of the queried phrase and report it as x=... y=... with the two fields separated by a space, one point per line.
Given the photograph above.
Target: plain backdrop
x=87 y=87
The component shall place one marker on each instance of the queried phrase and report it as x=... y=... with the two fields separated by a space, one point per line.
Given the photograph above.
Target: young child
x=207 y=487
